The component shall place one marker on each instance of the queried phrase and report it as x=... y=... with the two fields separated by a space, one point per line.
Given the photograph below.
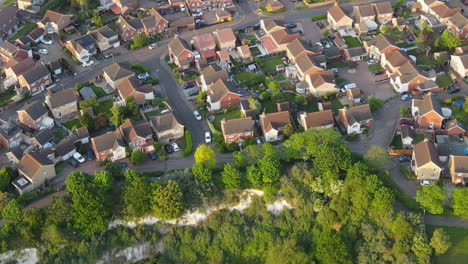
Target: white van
x=350 y=86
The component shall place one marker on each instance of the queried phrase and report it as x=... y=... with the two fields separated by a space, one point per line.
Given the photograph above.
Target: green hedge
x=140 y=68
x=188 y=144
x=320 y=17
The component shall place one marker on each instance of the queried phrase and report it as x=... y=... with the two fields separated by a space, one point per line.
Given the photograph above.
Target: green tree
x=255 y=104
x=330 y=249
x=53 y=239
x=6 y=175
x=269 y=169
x=375 y=104
x=97 y=19
x=89 y=102
x=117 y=115
x=421 y=248
x=104 y=178
x=201 y=97
x=459 y=203
x=205 y=154
x=384 y=29
x=431 y=198
x=254 y=176
x=378 y=157
x=137 y=157
x=231 y=177
x=87 y=121
x=114 y=169
x=167 y=201
x=131 y=108
x=201 y=172
x=59 y=212
x=4 y=199
x=12 y=212
x=288 y=130
x=404 y=111
x=139 y=40
x=440 y=241
x=273 y=86
x=157 y=146
x=136 y=194
x=448 y=40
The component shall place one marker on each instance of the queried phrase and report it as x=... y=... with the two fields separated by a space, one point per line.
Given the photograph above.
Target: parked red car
x=407 y=122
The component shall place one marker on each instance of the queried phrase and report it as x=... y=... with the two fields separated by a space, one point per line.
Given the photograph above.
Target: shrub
x=154 y=81
x=140 y=68
x=189 y=144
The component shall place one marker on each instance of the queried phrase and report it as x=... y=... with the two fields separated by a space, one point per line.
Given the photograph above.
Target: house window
x=248 y=133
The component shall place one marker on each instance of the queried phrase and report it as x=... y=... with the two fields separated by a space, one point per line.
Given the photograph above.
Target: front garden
x=352 y=41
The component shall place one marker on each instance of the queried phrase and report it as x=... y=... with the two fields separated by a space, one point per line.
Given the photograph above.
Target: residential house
x=459 y=64
x=124 y=7
x=425 y=161
x=128 y=28
x=9 y=22
x=339 y=42
x=384 y=12
x=154 y=23
x=354 y=95
x=10 y=135
x=210 y=75
x=43 y=139
x=322 y=106
x=166 y=127
x=36 y=79
x=427 y=4
x=36 y=35
x=284 y=106
x=454 y=127
x=273 y=125
x=114 y=74
x=321 y=83
x=355 y=53
x=236 y=130
x=356 y=119
x=364 y=13
x=224 y=59
x=247 y=111
x=34 y=170
x=306 y=65
x=105 y=38
x=132 y=87
x=270 y=25
x=15 y=155
x=54 y=22
x=458 y=168
x=430 y=21
x=138 y=135
x=64 y=150
x=208 y=5
x=81 y=135
x=442 y=11
x=55 y=67
x=206 y=46
x=24 y=4
x=274 y=6
x=282 y=38
x=409 y=77
x=338 y=19
x=379 y=45
x=14 y=68
x=223 y=15
x=183 y=23
x=8 y=51
x=297 y=48
x=180 y=52
x=35 y=116
x=458 y=25
x=443 y=55
x=244 y=53
x=427 y=86
x=333 y=54
x=393 y=60
x=407 y=136
x=63 y=104
x=109 y=146
x=220 y=95
x=321 y=119
x=225 y=38
x=82 y=47
x=427 y=112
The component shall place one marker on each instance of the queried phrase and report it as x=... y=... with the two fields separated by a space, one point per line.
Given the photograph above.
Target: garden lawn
x=337 y=64
x=75 y=123
x=458 y=253
x=98 y=91
x=444 y=80
x=309 y=107
x=249 y=79
x=255 y=51
x=190 y=76
x=105 y=108
x=418 y=138
x=25 y=29
x=374 y=67
x=229 y=115
x=268 y=106
x=279 y=78
x=340 y=80
x=459 y=114
x=269 y=65
x=396 y=142
x=424 y=60
x=5 y=99
x=352 y=41
x=154 y=112
x=58 y=133
x=336 y=104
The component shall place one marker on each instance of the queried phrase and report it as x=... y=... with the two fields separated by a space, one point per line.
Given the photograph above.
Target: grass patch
x=409 y=175
x=309 y=107
x=374 y=67
x=249 y=79
x=72 y=124
x=352 y=41
x=418 y=138
x=337 y=64
x=5 y=99
x=268 y=106
x=301 y=7
x=319 y=17
x=459 y=114
x=154 y=112
x=444 y=80
x=138 y=68
x=25 y=29
x=336 y=104
x=279 y=78
x=58 y=133
x=229 y=115
x=8 y=2
x=188 y=144
x=396 y=142
x=458 y=253
x=401 y=196
x=340 y=80
x=105 y=108
x=255 y=51
x=190 y=75
x=98 y=91
x=424 y=60
x=269 y=65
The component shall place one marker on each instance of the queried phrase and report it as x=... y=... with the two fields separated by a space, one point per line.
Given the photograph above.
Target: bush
x=375 y=104
x=320 y=17
x=140 y=68
x=154 y=81
x=189 y=144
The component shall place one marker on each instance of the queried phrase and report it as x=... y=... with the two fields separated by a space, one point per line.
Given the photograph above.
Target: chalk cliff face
x=24 y=256
x=132 y=254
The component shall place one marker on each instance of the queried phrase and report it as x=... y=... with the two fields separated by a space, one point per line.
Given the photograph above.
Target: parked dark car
x=108 y=55
x=320 y=25
x=331 y=37
x=73 y=162
x=342 y=85
x=290 y=25
x=377 y=72
x=90 y=154
x=298 y=31
x=171 y=10
x=188 y=85
x=193 y=93
x=406 y=122
x=99 y=57
x=153 y=156
x=123 y=164
x=404 y=158
x=168 y=148
x=453 y=89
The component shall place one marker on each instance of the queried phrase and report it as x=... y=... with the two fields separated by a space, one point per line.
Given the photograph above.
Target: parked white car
x=197 y=14
x=182 y=7
x=197 y=115
x=350 y=86
x=207 y=137
x=78 y=157
x=425 y=183
x=153 y=46
x=87 y=63
x=175 y=147
x=43 y=51
x=143 y=76
x=47 y=41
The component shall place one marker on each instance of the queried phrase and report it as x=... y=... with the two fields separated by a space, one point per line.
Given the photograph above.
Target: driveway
x=312 y=32
x=365 y=81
